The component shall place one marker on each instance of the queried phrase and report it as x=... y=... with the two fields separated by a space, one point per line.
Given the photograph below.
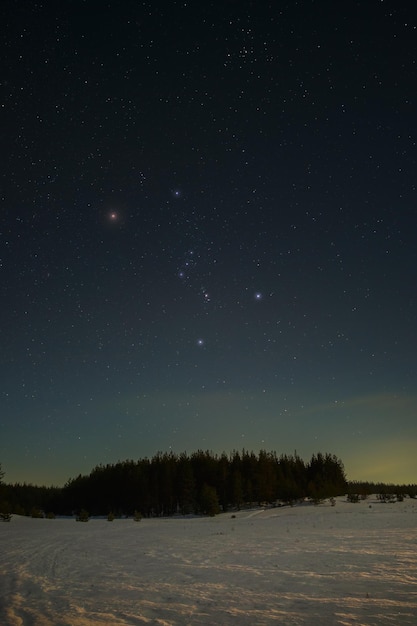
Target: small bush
x=137 y=516
x=316 y=500
x=353 y=497
x=5 y=511
x=36 y=513
x=387 y=497
x=110 y=517
x=18 y=510
x=83 y=516
x=50 y=515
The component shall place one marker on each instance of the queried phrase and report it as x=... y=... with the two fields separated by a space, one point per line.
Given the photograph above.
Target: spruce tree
x=209 y=501
x=5 y=512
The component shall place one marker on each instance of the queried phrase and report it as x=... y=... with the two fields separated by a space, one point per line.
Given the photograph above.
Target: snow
x=314 y=565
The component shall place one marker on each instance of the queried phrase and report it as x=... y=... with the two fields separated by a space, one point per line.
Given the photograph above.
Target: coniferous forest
x=201 y=483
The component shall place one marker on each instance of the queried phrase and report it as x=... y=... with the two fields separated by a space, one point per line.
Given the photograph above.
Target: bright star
x=113 y=216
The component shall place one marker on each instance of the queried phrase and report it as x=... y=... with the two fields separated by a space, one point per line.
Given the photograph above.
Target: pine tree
x=237 y=489
x=5 y=511
x=209 y=501
x=185 y=485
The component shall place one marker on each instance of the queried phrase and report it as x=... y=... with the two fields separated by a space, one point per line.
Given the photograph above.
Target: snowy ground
x=348 y=564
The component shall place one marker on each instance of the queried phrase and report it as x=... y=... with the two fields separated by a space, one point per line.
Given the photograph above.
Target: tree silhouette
x=168 y=484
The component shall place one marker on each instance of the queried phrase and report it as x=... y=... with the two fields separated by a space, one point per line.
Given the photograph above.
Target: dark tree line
x=202 y=483
x=364 y=489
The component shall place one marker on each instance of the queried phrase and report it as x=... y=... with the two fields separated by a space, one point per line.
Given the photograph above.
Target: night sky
x=208 y=233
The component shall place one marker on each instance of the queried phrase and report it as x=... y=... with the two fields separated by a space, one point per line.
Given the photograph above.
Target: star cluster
x=208 y=232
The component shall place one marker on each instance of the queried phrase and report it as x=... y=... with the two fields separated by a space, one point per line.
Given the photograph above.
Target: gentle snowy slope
x=349 y=564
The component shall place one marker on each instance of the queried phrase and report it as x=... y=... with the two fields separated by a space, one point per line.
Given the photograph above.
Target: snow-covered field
x=316 y=565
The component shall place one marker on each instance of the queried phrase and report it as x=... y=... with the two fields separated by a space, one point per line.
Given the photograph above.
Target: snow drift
x=348 y=564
